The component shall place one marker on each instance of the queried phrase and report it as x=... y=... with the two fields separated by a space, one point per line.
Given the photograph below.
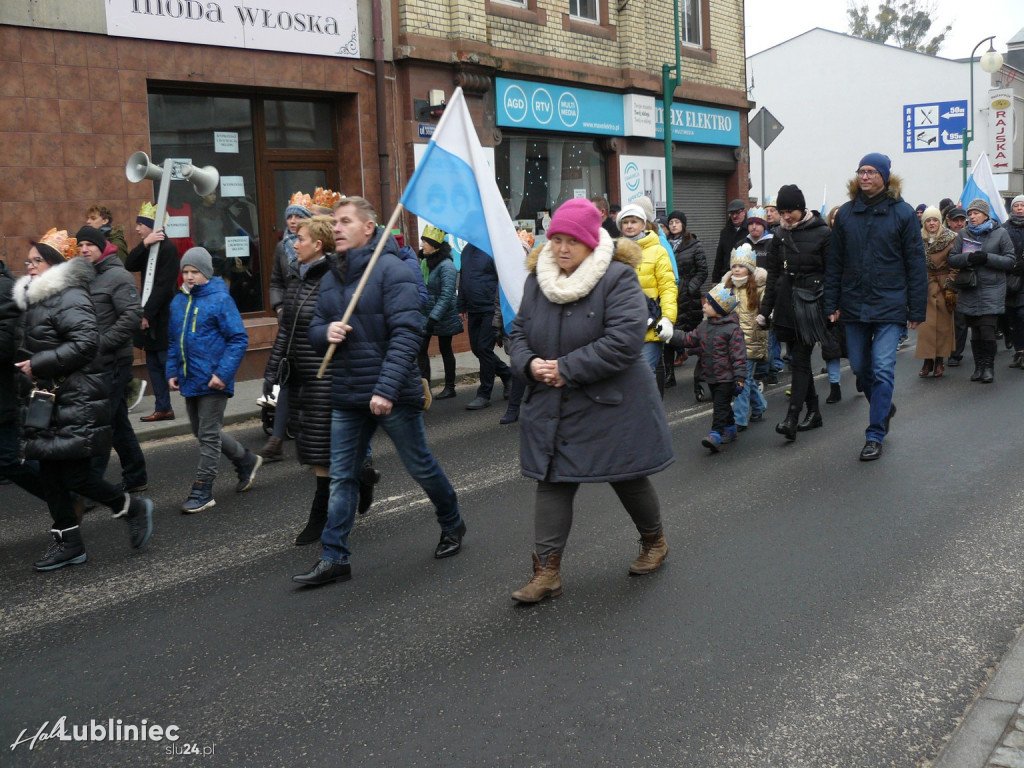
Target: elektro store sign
x=552 y=107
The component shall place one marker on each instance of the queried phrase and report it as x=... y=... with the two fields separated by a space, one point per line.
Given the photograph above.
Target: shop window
x=586 y=10
x=298 y=124
x=291 y=142
x=536 y=174
x=217 y=131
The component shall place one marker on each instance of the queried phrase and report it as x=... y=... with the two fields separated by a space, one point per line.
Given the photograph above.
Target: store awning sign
x=320 y=27
x=551 y=107
x=1001 y=130
x=700 y=125
x=935 y=126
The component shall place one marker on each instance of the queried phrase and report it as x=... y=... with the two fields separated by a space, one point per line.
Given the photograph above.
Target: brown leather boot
x=653 y=551
x=545 y=582
x=271 y=450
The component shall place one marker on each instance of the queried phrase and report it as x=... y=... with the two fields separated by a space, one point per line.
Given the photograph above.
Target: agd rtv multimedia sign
x=320 y=27
x=551 y=107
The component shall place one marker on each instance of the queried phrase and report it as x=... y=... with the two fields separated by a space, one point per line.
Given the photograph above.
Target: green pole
x=969 y=134
x=668 y=90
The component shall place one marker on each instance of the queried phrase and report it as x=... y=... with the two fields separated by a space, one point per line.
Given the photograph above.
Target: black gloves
x=268 y=388
x=428 y=329
x=977 y=258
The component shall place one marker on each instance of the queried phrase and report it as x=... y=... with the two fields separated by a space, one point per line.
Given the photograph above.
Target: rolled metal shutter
x=702 y=197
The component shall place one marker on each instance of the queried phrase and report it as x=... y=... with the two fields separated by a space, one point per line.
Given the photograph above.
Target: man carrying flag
x=375 y=380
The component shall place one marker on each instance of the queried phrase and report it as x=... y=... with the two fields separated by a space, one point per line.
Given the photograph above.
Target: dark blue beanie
x=879 y=162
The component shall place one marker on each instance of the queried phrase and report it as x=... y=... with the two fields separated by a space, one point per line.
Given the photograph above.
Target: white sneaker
x=138 y=397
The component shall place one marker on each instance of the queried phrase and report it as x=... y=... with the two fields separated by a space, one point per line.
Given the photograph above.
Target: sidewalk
x=242 y=406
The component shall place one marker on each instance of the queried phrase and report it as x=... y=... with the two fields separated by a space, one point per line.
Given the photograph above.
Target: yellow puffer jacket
x=755 y=336
x=657 y=278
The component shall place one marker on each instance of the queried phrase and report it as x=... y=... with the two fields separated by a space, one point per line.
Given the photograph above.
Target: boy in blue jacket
x=207 y=342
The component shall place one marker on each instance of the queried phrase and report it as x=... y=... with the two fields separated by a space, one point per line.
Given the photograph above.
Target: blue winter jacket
x=875 y=271
x=206 y=337
x=408 y=255
x=378 y=357
x=479 y=284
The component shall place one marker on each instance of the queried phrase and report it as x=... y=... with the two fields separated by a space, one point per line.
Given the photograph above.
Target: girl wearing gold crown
x=67 y=420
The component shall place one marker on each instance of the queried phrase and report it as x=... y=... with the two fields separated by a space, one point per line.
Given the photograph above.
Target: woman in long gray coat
x=983 y=248
x=592 y=412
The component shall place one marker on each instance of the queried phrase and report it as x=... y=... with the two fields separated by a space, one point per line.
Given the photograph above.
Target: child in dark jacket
x=207 y=343
x=723 y=354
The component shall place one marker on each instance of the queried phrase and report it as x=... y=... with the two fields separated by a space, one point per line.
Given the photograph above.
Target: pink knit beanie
x=577 y=218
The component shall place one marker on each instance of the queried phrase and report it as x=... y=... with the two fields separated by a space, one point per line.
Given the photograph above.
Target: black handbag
x=966 y=278
x=809 y=308
x=40 y=409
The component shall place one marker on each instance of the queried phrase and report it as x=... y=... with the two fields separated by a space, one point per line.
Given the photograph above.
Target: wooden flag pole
x=362 y=284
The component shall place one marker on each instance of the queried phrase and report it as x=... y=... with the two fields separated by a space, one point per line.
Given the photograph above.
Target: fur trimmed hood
x=78 y=271
x=894 y=190
x=626 y=251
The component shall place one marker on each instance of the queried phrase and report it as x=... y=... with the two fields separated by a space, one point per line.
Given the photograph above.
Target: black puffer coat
x=59 y=330
x=692 y=263
x=309 y=398
x=157 y=309
x=118 y=311
x=1016 y=233
x=796 y=256
x=9 y=376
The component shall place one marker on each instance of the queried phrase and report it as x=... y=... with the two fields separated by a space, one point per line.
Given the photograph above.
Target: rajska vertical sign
x=1001 y=130
x=319 y=27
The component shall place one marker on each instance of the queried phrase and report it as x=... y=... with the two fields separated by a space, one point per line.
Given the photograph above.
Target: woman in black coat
x=592 y=412
x=66 y=427
x=310 y=397
x=692 y=265
x=793 y=300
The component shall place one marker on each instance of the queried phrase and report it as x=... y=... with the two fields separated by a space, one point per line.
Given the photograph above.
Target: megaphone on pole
x=204 y=180
x=139 y=168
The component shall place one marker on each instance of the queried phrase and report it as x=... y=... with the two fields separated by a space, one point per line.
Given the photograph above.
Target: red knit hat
x=577 y=218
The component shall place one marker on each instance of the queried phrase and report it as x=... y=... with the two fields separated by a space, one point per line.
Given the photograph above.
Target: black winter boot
x=988 y=371
x=977 y=348
x=835 y=393
x=1018 y=359
x=317 y=513
x=813 y=418
x=788 y=426
x=446 y=393
x=65 y=549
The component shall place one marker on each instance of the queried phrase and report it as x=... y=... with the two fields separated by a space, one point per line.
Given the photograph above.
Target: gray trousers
x=206 y=415
x=553 y=511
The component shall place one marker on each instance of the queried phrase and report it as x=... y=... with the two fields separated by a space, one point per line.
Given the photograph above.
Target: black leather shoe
x=954 y=362
x=872 y=450
x=478 y=403
x=451 y=542
x=445 y=394
x=324 y=572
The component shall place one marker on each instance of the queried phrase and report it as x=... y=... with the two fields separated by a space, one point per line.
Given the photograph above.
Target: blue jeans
x=750 y=397
x=872 y=351
x=775 y=352
x=351 y=431
x=652 y=354
x=156 y=365
x=480 y=327
x=834 y=372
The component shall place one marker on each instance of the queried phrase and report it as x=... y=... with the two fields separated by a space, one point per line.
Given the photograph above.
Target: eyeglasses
x=868 y=172
x=34 y=260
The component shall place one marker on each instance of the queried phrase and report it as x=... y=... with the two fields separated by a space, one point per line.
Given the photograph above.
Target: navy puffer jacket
x=59 y=326
x=379 y=355
x=875 y=272
x=441 y=298
x=479 y=284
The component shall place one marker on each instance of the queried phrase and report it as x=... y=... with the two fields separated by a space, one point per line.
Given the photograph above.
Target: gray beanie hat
x=980 y=204
x=200 y=259
x=1017 y=199
x=646 y=206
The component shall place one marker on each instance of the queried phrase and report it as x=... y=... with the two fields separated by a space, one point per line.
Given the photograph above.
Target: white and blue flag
x=454 y=189
x=981 y=183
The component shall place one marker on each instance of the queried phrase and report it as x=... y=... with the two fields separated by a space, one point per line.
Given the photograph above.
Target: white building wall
x=839 y=97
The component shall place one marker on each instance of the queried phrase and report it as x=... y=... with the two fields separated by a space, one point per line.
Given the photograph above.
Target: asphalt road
x=814 y=610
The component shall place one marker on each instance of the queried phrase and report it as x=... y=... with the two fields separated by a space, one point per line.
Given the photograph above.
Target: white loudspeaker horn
x=205 y=179
x=138 y=168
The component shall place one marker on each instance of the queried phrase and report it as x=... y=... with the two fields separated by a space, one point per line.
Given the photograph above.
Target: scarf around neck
x=808 y=215
x=939 y=241
x=289 y=246
x=981 y=229
x=564 y=289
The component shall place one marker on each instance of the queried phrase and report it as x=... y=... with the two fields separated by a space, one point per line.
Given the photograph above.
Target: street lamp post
x=991 y=61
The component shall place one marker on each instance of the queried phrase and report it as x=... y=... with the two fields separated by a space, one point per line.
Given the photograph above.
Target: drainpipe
x=383 y=158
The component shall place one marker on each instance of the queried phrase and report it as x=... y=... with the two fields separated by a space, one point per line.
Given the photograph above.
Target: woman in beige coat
x=936 y=335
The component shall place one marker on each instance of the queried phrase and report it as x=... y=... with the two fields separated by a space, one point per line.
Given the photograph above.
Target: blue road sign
x=935 y=126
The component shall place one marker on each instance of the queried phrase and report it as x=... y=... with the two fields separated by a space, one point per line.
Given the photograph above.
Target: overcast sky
x=770 y=22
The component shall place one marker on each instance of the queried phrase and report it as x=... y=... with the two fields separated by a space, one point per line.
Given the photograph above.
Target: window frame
x=596 y=20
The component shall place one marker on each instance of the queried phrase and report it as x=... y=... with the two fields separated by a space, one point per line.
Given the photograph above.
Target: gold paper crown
x=325 y=198
x=60 y=242
x=148 y=211
x=300 y=198
x=434 y=233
